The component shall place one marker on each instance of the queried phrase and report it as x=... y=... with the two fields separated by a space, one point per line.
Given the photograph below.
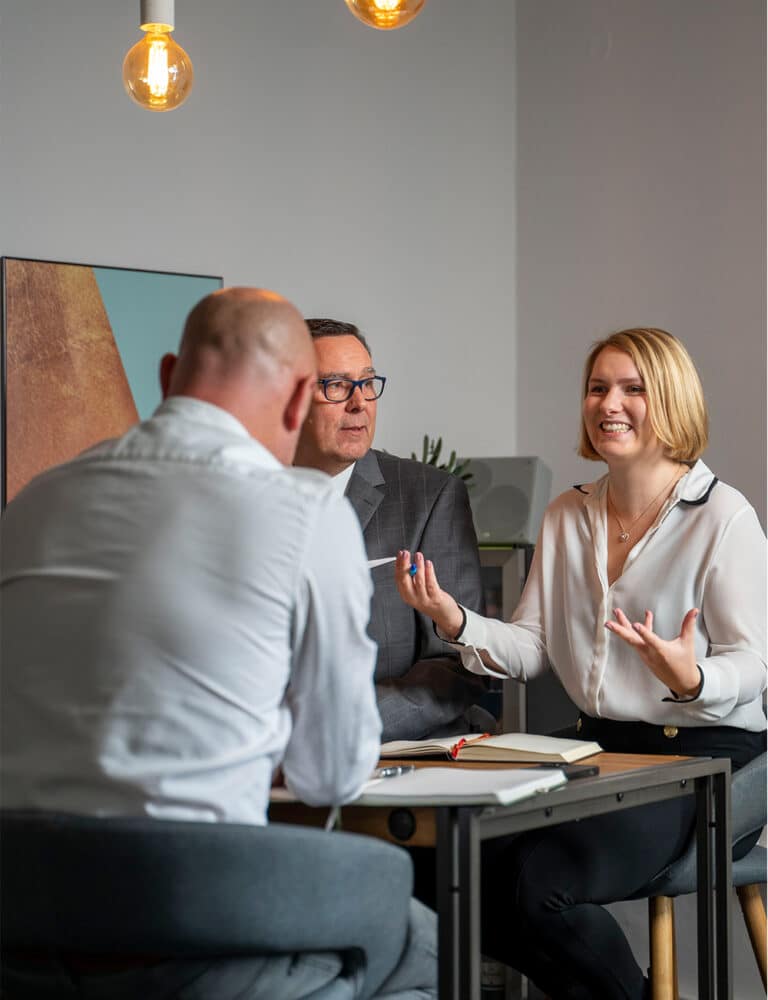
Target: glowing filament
x=157 y=73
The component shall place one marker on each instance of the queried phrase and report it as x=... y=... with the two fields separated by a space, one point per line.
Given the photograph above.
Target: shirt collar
x=696 y=485
x=200 y=412
x=341 y=479
x=692 y=488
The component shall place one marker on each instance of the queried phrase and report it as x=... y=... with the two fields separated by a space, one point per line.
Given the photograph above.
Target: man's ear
x=167 y=364
x=297 y=406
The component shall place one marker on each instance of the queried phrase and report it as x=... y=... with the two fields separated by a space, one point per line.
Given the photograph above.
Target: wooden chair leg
x=754 y=917
x=675 y=976
x=661 y=923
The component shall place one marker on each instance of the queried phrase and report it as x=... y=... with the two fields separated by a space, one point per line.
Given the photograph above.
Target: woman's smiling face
x=615 y=410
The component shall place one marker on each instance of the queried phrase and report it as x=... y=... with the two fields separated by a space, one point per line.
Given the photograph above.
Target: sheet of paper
x=434 y=785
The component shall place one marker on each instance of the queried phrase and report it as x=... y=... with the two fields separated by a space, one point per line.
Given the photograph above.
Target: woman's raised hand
x=422 y=591
x=673 y=661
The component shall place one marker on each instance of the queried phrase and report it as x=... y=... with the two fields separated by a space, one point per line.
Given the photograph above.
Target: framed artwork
x=81 y=348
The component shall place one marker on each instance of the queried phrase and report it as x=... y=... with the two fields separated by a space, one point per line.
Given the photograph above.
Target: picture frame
x=80 y=351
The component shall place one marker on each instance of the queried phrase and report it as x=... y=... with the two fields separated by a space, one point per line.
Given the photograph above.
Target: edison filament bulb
x=385 y=14
x=157 y=72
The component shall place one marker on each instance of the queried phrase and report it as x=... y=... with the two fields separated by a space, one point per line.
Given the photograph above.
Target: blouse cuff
x=692 y=697
x=458 y=635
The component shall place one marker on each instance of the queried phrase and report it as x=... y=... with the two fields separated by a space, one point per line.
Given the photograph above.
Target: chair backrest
x=93 y=886
x=748 y=798
x=748 y=815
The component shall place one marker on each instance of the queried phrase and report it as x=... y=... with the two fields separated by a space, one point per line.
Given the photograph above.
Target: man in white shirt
x=178 y=620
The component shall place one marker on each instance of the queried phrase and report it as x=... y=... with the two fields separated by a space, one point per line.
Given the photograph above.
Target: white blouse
x=706 y=549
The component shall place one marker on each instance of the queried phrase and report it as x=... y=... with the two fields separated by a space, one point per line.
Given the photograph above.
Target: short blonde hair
x=676 y=407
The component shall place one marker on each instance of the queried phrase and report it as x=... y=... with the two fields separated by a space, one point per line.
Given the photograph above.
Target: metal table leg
x=723 y=883
x=704 y=898
x=469 y=906
x=458 y=904
x=713 y=871
x=448 y=937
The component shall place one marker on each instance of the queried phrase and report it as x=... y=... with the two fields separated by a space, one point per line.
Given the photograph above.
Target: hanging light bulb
x=385 y=14
x=157 y=72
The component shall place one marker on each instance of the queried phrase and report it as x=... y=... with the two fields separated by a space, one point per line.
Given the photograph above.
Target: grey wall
x=641 y=201
x=367 y=175
x=388 y=178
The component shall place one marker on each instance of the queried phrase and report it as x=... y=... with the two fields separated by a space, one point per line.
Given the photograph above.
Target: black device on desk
x=573 y=771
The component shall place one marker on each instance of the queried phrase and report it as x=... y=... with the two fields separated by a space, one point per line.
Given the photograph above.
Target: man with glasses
x=421 y=689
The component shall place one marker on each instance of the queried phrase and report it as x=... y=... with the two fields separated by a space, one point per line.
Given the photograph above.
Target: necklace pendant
x=623 y=536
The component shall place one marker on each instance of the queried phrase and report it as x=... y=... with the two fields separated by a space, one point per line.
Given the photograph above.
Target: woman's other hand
x=673 y=661
x=422 y=591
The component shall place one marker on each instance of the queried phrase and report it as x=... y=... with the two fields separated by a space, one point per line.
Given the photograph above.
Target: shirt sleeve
x=515 y=649
x=734 y=616
x=336 y=729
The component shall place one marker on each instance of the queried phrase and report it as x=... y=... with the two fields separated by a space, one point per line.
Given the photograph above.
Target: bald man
x=177 y=623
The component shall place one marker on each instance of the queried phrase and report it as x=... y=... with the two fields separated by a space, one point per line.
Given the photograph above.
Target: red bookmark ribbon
x=465 y=742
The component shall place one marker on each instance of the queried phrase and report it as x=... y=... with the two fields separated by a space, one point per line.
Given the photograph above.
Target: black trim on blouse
x=701 y=499
x=459 y=634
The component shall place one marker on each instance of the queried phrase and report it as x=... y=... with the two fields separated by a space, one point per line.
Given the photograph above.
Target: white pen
x=372 y=563
x=394 y=771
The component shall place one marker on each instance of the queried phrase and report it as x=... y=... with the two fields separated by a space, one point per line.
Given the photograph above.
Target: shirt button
x=578 y=725
x=670 y=732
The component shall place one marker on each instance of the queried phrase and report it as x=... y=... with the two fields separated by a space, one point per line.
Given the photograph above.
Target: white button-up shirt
x=181 y=615
x=706 y=550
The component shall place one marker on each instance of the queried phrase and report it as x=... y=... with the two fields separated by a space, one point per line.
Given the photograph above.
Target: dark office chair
x=748 y=811
x=86 y=890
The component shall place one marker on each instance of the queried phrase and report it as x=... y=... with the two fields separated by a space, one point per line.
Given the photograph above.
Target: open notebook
x=445 y=785
x=511 y=747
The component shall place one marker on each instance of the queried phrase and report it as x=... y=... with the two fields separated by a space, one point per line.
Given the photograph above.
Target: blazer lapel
x=363 y=490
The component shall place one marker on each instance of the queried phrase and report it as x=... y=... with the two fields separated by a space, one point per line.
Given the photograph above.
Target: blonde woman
x=647 y=598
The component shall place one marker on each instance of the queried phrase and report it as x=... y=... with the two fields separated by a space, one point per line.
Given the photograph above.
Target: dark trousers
x=543 y=892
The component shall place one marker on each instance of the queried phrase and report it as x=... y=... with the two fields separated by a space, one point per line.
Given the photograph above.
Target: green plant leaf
x=431 y=450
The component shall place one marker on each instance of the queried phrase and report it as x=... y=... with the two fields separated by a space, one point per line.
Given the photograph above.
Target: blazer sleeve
x=435 y=693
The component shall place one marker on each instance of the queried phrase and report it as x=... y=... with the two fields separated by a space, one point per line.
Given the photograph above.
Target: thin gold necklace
x=624 y=533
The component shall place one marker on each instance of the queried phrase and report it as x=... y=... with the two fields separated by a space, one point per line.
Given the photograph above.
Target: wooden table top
x=372 y=820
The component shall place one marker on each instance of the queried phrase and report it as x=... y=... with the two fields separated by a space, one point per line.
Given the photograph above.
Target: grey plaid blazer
x=422 y=688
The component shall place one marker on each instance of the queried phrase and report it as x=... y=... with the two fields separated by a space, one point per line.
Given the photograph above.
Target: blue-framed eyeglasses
x=339 y=390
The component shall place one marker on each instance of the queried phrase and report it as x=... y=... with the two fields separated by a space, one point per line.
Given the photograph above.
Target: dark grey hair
x=335 y=328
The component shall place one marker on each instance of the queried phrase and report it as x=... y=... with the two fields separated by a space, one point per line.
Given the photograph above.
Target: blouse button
x=670 y=732
x=578 y=725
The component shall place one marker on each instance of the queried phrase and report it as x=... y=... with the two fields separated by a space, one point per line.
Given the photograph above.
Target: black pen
x=394 y=771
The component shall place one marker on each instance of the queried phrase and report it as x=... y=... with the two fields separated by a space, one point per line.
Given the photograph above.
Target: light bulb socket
x=158 y=14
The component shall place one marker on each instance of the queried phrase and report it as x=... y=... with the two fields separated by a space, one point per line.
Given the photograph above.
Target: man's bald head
x=237 y=329
x=248 y=351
